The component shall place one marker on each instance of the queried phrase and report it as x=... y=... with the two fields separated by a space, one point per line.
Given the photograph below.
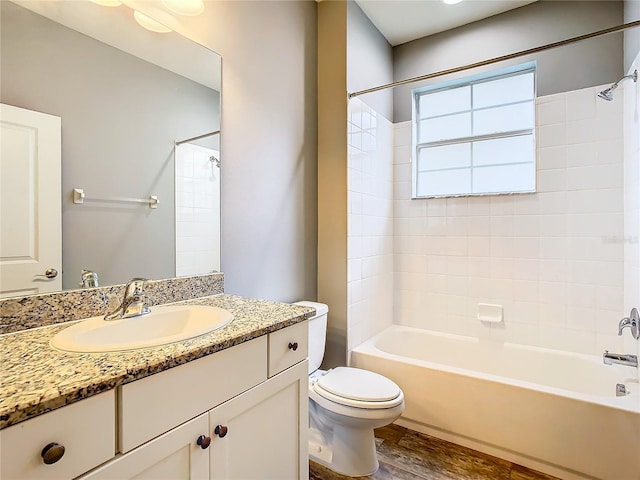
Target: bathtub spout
x=620 y=359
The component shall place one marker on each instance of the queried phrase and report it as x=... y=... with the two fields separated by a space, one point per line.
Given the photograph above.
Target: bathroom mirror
x=125 y=95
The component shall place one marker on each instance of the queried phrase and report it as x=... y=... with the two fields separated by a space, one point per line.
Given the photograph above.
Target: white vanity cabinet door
x=266 y=431
x=172 y=456
x=86 y=430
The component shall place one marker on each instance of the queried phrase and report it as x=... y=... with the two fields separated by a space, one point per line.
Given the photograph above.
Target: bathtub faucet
x=620 y=359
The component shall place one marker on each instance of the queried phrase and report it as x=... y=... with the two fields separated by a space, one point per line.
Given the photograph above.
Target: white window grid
x=471 y=139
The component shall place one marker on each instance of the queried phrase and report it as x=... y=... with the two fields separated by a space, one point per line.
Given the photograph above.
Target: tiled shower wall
x=197 y=210
x=370 y=223
x=631 y=115
x=553 y=259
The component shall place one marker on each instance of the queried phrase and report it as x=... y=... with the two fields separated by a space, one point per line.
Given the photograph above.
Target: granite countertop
x=37 y=378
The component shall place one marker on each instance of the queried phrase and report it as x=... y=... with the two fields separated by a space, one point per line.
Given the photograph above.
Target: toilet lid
x=357 y=384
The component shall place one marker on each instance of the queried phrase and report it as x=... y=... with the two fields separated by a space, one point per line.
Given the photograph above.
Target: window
x=475 y=136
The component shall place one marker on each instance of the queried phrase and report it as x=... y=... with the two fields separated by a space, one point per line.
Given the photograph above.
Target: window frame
x=494 y=75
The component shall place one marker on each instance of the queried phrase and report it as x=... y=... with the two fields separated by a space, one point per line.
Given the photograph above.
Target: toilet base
x=338 y=453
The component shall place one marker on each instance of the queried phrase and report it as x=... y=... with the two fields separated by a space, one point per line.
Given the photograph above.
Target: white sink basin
x=165 y=324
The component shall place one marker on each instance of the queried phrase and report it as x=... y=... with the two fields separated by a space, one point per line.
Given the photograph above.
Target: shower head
x=607 y=94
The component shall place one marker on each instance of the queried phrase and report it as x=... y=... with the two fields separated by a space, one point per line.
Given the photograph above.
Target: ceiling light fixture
x=451 y=2
x=188 y=8
x=108 y=3
x=149 y=23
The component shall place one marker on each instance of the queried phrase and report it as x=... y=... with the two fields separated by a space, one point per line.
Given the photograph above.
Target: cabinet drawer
x=288 y=347
x=86 y=430
x=153 y=405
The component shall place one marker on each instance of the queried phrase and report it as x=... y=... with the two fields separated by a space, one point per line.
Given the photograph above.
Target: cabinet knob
x=220 y=430
x=293 y=346
x=52 y=453
x=203 y=441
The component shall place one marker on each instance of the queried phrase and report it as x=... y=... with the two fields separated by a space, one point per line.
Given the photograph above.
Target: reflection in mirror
x=197 y=163
x=124 y=96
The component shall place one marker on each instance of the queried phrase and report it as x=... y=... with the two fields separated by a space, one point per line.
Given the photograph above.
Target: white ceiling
x=401 y=21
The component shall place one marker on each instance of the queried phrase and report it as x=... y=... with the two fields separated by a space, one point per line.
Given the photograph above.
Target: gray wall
x=332 y=176
x=269 y=143
x=351 y=54
x=631 y=36
x=369 y=60
x=120 y=117
x=588 y=63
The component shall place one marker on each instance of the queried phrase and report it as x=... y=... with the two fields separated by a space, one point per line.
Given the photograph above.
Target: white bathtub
x=553 y=411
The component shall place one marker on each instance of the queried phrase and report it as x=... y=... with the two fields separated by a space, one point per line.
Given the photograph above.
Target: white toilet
x=345 y=405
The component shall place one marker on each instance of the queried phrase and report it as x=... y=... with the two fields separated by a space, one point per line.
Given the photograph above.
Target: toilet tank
x=317 y=333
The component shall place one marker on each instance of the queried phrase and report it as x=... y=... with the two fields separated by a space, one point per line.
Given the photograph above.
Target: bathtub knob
x=293 y=346
x=203 y=441
x=52 y=453
x=221 y=430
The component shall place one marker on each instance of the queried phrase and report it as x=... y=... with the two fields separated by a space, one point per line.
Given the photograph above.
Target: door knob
x=49 y=273
x=220 y=430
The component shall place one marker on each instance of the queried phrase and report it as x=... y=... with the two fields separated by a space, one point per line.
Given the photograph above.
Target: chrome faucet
x=89 y=279
x=633 y=322
x=132 y=305
x=620 y=359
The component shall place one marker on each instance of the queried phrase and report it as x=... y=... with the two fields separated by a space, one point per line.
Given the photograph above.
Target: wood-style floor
x=407 y=455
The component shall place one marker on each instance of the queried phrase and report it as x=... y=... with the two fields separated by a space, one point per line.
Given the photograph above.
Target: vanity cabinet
x=72 y=439
x=246 y=405
x=155 y=404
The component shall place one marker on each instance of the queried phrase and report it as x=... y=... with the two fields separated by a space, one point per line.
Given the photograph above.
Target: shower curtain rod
x=198 y=137
x=521 y=53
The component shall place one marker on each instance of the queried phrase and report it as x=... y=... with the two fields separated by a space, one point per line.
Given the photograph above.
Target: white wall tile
x=479 y=266
x=582 y=154
x=551 y=258
x=594 y=177
x=402 y=133
x=595 y=201
x=552 y=157
x=551 y=112
x=581 y=104
x=552 y=180
x=526 y=269
x=631 y=153
x=526 y=291
x=371 y=220
x=552 y=135
x=526 y=247
x=502 y=205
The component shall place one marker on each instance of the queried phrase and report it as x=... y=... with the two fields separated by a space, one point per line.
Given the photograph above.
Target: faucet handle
x=134 y=286
x=633 y=322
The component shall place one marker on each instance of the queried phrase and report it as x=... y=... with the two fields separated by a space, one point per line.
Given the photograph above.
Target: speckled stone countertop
x=37 y=378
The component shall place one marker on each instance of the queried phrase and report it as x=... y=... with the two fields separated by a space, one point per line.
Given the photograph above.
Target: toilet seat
x=354 y=387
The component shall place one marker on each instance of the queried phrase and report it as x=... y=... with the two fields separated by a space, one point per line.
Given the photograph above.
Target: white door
x=30 y=215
